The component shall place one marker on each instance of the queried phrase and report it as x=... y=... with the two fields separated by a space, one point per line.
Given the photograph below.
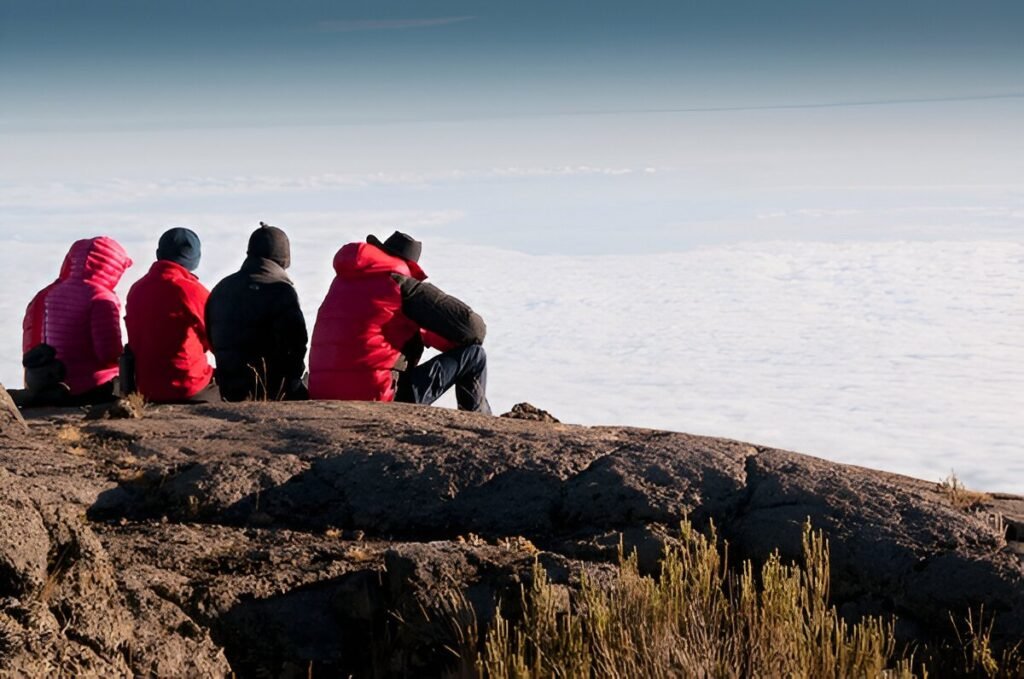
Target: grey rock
x=24 y=542
x=11 y=421
x=528 y=411
x=259 y=538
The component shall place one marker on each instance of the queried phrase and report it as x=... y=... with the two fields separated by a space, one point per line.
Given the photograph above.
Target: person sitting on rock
x=165 y=316
x=256 y=327
x=71 y=335
x=373 y=325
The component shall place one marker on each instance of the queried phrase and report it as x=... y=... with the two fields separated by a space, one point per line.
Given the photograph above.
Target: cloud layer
x=900 y=356
x=116 y=191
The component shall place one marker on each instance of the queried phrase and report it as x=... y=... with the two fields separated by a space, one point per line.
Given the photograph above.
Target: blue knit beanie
x=180 y=246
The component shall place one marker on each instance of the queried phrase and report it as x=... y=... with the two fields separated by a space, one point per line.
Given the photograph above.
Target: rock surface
x=11 y=421
x=278 y=539
x=528 y=411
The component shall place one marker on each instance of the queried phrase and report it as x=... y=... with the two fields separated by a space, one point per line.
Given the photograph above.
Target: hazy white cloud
x=221 y=227
x=945 y=211
x=355 y=25
x=127 y=191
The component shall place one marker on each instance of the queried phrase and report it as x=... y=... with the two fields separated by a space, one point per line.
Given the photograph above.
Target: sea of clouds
x=905 y=356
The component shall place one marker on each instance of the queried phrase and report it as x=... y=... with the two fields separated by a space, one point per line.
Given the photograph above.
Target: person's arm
x=105 y=328
x=435 y=341
x=195 y=296
x=207 y=326
x=440 y=314
x=32 y=326
x=290 y=333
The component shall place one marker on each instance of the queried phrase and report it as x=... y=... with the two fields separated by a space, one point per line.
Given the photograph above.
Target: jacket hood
x=65 y=267
x=270 y=242
x=264 y=270
x=100 y=260
x=356 y=260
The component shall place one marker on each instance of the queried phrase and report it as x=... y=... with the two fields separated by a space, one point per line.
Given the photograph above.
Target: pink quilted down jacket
x=79 y=314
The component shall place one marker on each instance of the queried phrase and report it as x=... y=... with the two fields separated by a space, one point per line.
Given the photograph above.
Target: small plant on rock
x=958 y=494
x=696 y=619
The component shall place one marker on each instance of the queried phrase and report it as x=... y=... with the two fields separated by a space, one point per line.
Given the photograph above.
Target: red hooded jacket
x=79 y=314
x=167 y=333
x=360 y=328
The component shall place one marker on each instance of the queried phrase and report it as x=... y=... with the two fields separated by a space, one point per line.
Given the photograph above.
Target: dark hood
x=265 y=271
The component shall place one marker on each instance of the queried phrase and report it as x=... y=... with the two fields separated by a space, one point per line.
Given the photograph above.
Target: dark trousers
x=208 y=394
x=235 y=386
x=464 y=368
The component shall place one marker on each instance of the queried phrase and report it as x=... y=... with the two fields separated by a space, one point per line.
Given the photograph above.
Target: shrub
x=695 y=620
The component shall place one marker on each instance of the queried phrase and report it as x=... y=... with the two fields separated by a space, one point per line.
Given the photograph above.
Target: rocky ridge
x=282 y=539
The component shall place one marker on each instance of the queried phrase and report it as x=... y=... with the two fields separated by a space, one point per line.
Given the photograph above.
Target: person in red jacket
x=377 y=318
x=166 y=326
x=72 y=327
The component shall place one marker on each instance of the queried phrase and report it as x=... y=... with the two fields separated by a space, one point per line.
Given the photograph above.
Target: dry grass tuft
x=132 y=406
x=136 y=400
x=976 y=655
x=695 y=619
x=517 y=544
x=471 y=539
x=700 y=619
x=958 y=495
x=70 y=435
x=73 y=440
x=359 y=554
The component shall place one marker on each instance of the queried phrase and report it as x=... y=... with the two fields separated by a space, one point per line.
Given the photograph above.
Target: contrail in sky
x=107 y=124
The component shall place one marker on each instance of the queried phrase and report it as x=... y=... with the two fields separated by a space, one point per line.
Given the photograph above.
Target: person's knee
x=476 y=355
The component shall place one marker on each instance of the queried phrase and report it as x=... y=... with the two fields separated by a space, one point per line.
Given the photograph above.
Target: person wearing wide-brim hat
x=372 y=328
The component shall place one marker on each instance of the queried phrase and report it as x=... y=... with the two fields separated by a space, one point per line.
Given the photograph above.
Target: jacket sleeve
x=206 y=322
x=105 y=328
x=439 y=313
x=195 y=297
x=290 y=333
x=32 y=326
x=432 y=339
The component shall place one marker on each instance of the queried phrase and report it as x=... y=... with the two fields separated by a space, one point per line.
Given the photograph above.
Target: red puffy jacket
x=79 y=314
x=167 y=333
x=360 y=328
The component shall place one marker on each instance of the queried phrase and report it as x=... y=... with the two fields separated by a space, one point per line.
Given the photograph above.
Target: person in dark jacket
x=256 y=327
x=372 y=328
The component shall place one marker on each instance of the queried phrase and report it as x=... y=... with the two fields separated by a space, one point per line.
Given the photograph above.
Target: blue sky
x=172 y=64
x=691 y=121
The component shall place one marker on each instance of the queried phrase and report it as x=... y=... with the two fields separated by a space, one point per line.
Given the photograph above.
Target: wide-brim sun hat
x=400 y=245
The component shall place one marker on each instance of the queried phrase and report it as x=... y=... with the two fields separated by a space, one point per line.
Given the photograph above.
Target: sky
x=575 y=126
x=818 y=204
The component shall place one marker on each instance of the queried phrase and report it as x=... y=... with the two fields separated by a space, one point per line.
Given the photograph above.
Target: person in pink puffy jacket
x=72 y=327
